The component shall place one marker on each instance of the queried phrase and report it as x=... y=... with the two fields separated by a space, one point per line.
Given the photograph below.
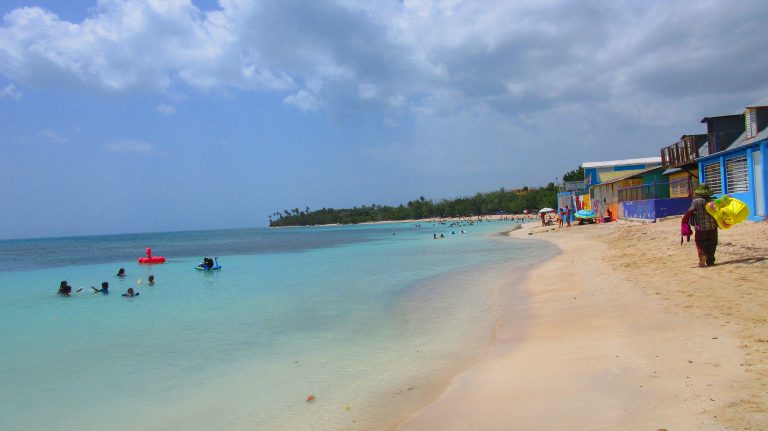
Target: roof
x=611 y=163
x=741 y=143
x=629 y=175
x=605 y=177
x=705 y=119
x=763 y=134
x=757 y=106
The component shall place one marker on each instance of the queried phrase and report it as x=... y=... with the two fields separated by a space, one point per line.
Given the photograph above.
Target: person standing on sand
x=568 y=215
x=704 y=224
x=561 y=216
x=543 y=221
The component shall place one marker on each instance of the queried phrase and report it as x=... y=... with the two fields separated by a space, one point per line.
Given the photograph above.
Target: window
x=712 y=177
x=679 y=187
x=736 y=174
x=751 y=122
x=683 y=186
x=631 y=183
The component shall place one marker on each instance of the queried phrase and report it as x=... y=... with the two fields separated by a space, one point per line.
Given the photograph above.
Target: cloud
x=165 y=109
x=10 y=92
x=50 y=137
x=129 y=146
x=380 y=58
x=304 y=100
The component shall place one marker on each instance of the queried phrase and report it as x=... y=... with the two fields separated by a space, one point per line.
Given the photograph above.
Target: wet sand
x=624 y=331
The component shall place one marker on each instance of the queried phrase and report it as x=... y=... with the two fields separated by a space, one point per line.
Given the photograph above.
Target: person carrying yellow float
x=707 y=215
x=704 y=224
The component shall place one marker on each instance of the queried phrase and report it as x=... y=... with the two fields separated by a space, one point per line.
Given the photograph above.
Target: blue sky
x=153 y=115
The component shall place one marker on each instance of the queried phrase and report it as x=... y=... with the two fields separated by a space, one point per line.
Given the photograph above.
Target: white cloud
x=164 y=108
x=51 y=137
x=366 y=91
x=129 y=146
x=511 y=57
x=10 y=92
x=304 y=100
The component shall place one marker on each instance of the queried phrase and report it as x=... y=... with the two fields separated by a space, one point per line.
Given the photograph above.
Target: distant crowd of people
x=66 y=290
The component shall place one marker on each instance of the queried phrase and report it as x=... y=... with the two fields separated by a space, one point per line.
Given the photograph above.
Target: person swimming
x=151 y=280
x=121 y=272
x=64 y=289
x=130 y=293
x=104 y=288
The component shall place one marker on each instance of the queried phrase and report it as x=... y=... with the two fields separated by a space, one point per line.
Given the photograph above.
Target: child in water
x=121 y=272
x=104 y=288
x=151 y=280
x=130 y=293
x=64 y=289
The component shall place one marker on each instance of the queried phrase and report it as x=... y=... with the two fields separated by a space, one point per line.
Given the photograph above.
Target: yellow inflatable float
x=727 y=211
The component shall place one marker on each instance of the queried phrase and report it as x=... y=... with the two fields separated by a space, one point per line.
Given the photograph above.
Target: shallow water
x=365 y=320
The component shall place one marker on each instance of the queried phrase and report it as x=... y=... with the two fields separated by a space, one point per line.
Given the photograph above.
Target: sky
x=121 y=116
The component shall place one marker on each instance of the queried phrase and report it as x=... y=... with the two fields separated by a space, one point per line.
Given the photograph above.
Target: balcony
x=681 y=153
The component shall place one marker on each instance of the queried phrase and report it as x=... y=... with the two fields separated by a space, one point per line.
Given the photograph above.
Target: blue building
x=737 y=163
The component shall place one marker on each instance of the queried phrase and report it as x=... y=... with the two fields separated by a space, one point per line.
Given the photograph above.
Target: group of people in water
x=66 y=290
x=453 y=232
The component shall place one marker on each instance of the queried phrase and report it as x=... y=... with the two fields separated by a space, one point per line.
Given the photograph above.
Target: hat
x=703 y=191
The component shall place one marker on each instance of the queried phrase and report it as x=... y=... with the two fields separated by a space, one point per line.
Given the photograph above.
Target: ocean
x=372 y=320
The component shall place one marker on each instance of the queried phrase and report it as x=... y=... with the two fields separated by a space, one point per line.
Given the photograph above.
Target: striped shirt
x=704 y=221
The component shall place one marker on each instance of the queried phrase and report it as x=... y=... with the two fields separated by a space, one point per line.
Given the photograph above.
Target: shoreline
x=475 y=219
x=611 y=348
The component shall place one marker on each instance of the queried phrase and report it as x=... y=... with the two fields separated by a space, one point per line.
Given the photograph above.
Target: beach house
x=604 y=180
x=737 y=159
x=681 y=167
x=666 y=191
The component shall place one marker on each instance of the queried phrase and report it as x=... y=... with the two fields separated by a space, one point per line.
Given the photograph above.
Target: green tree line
x=508 y=201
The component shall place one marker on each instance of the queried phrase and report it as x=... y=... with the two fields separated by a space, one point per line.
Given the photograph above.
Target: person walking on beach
x=561 y=216
x=568 y=215
x=705 y=226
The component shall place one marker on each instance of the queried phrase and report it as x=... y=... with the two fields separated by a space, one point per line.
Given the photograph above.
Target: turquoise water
x=367 y=321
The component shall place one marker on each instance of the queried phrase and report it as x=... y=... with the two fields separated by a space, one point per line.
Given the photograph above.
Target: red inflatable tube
x=153 y=259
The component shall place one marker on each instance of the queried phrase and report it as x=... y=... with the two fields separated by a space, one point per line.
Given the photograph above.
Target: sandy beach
x=623 y=332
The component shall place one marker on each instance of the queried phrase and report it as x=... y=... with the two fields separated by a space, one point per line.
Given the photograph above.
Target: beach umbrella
x=585 y=214
x=546 y=210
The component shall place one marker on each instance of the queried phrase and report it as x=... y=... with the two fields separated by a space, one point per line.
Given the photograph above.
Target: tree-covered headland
x=502 y=200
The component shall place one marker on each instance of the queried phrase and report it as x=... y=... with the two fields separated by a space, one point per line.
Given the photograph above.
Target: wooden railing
x=680 y=153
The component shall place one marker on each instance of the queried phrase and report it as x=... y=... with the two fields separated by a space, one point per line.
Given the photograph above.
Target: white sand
x=624 y=332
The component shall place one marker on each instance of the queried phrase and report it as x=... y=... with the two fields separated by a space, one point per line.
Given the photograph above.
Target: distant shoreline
x=494 y=217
